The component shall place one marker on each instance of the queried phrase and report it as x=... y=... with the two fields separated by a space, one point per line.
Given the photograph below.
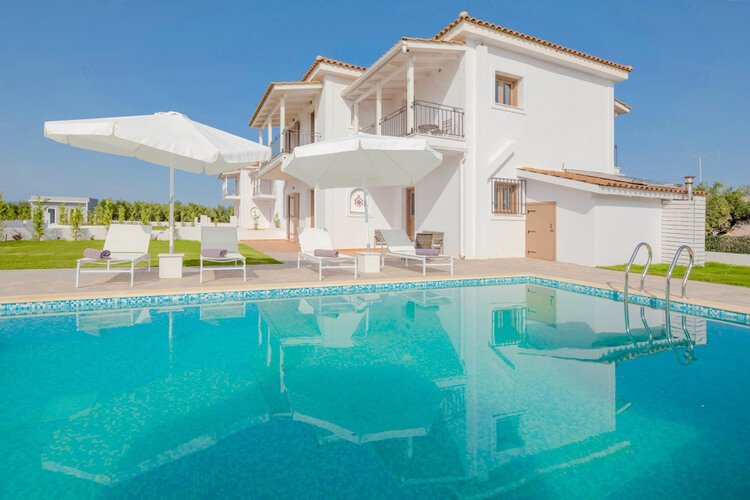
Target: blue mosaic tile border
x=81 y=305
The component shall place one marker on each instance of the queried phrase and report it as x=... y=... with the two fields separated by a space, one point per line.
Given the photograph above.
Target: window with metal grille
x=508 y=196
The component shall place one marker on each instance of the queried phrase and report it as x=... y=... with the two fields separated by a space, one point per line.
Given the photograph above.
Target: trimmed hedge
x=728 y=244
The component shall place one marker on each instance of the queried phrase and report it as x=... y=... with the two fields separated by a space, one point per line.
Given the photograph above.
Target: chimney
x=689 y=185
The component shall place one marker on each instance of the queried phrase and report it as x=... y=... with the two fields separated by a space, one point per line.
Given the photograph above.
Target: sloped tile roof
x=607 y=182
x=322 y=59
x=464 y=16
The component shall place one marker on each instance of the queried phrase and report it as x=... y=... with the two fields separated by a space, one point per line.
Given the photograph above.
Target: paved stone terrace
x=47 y=284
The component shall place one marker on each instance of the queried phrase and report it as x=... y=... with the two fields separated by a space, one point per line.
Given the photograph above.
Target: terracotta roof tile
x=268 y=91
x=328 y=60
x=434 y=40
x=464 y=16
x=605 y=182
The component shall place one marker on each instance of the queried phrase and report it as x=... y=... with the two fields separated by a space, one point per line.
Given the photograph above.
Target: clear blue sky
x=212 y=61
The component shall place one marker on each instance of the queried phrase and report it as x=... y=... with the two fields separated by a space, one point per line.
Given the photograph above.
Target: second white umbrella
x=363 y=160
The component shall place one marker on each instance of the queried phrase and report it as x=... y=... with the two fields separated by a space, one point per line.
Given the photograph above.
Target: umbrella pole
x=367 y=208
x=171 y=206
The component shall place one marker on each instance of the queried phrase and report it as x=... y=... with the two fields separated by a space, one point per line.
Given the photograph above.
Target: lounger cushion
x=94 y=253
x=431 y=252
x=322 y=252
x=214 y=253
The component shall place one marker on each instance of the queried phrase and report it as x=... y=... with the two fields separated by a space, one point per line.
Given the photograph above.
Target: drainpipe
x=689 y=185
x=461 y=208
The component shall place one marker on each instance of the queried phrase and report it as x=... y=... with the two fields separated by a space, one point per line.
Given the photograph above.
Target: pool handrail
x=645 y=268
x=687 y=271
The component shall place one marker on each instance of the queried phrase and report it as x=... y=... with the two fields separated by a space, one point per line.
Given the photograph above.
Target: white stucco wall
x=565 y=118
x=437 y=201
x=575 y=221
x=622 y=223
x=596 y=230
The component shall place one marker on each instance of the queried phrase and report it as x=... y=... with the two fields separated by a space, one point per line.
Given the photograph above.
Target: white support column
x=282 y=124
x=355 y=117
x=378 y=109
x=410 y=95
x=260 y=136
x=269 y=131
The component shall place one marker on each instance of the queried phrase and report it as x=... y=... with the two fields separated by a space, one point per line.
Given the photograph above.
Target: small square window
x=507 y=196
x=506 y=90
x=508 y=433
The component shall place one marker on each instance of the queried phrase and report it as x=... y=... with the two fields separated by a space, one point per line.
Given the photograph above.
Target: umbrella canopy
x=169 y=139
x=363 y=160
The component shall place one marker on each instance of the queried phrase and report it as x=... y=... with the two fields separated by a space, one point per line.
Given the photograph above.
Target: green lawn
x=712 y=272
x=61 y=254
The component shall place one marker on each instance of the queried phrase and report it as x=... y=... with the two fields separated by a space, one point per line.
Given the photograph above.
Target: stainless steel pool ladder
x=645 y=268
x=687 y=271
x=689 y=357
x=626 y=297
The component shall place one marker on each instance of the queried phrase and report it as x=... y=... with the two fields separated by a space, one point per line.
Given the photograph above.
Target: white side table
x=368 y=262
x=170 y=265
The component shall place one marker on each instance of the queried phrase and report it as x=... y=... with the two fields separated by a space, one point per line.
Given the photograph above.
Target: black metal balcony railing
x=429 y=119
x=292 y=139
x=438 y=119
x=372 y=129
x=394 y=124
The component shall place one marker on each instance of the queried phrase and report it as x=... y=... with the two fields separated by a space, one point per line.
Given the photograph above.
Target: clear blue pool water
x=512 y=390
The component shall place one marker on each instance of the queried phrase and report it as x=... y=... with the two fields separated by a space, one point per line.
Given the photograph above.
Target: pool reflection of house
x=542 y=377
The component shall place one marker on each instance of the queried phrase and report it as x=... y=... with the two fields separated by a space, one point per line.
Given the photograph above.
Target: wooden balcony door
x=410 y=211
x=292 y=216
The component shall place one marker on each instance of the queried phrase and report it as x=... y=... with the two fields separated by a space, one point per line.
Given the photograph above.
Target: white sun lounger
x=400 y=246
x=222 y=238
x=128 y=244
x=311 y=239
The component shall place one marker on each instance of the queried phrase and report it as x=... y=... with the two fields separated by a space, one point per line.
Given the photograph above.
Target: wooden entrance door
x=410 y=211
x=292 y=216
x=540 y=230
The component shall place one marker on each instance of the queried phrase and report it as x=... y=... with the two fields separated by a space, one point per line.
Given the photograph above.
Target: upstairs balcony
x=264 y=189
x=413 y=89
x=230 y=186
x=429 y=119
x=288 y=139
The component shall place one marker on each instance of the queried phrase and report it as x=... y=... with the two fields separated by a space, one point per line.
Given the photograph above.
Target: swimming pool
x=514 y=389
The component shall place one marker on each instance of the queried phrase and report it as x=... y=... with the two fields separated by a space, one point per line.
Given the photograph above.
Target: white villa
x=54 y=205
x=527 y=132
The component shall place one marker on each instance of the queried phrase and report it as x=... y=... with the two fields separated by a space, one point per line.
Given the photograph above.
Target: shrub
x=276 y=220
x=76 y=221
x=63 y=214
x=17 y=236
x=37 y=218
x=728 y=244
x=256 y=219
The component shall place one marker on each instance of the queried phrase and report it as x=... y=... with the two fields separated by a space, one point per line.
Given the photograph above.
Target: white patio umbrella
x=363 y=160
x=169 y=139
